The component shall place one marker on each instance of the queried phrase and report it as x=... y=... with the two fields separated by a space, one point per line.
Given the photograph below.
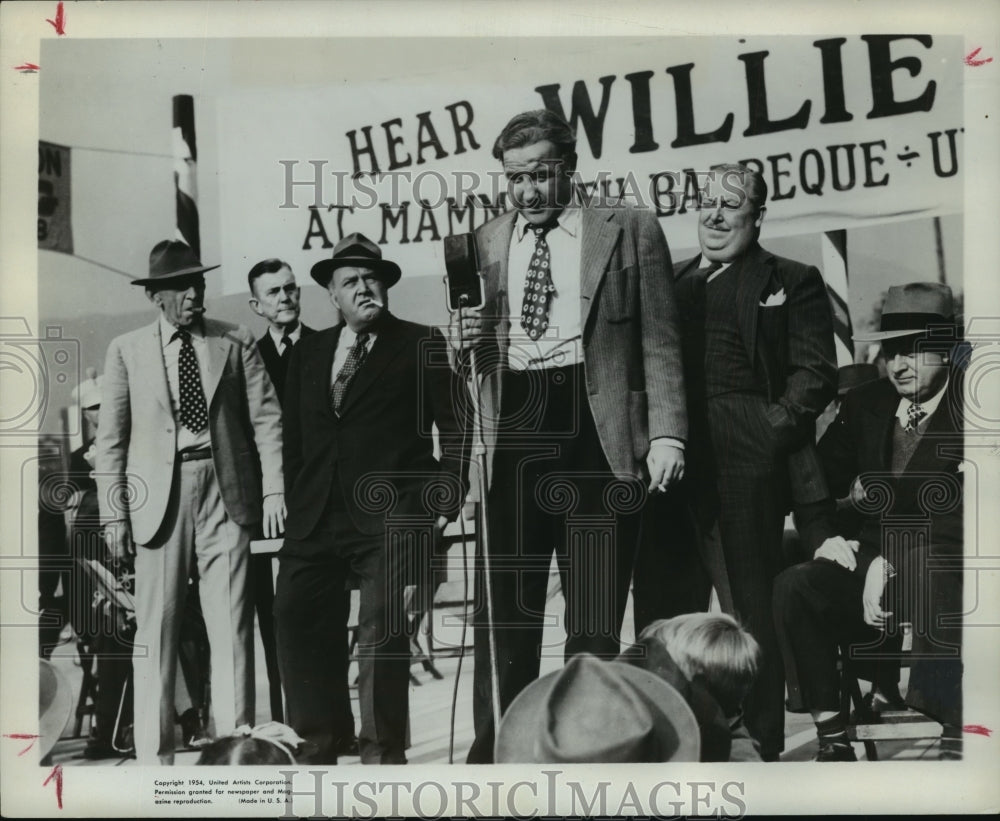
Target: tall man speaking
x=583 y=404
x=760 y=367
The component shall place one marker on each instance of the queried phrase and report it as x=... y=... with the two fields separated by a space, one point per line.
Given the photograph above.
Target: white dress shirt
x=903 y=409
x=277 y=336
x=704 y=263
x=186 y=440
x=344 y=345
x=560 y=344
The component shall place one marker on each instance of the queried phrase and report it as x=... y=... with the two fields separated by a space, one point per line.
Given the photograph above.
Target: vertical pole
x=185 y=152
x=939 y=247
x=834 y=245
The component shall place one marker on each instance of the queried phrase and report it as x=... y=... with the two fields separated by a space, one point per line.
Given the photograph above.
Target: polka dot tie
x=914 y=414
x=194 y=412
x=351 y=366
x=538 y=287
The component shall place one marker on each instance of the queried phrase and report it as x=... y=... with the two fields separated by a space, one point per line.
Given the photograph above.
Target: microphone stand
x=482 y=529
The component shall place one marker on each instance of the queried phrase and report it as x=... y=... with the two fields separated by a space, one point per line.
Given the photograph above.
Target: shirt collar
x=167 y=331
x=349 y=337
x=568 y=221
x=902 y=412
x=277 y=336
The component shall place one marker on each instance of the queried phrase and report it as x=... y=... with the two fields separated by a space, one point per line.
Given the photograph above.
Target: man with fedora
x=188 y=466
x=898 y=442
x=364 y=492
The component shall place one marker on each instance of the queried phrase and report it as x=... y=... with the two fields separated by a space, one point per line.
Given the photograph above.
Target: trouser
x=311 y=612
x=750 y=481
x=197 y=535
x=551 y=490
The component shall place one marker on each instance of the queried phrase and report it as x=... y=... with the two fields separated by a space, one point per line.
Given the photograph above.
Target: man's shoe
x=347 y=747
x=193 y=731
x=835 y=751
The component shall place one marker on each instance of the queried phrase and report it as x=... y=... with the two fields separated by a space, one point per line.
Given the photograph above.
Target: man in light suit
x=366 y=496
x=188 y=465
x=760 y=366
x=583 y=404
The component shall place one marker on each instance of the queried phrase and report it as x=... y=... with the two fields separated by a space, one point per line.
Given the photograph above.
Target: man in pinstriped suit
x=760 y=367
x=584 y=408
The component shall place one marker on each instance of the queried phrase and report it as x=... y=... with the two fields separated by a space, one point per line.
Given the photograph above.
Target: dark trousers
x=551 y=490
x=262 y=585
x=750 y=481
x=669 y=578
x=311 y=612
x=817 y=610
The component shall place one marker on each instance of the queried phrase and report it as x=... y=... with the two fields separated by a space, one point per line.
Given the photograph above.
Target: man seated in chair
x=896 y=449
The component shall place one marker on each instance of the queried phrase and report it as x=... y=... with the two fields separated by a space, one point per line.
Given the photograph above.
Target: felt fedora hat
x=172 y=260
x=914 y=309
x=597 y=711
x=356 y=249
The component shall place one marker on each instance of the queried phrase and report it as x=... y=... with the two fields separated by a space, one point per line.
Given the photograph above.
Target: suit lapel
x=600 y=235
x=219 y=346
x=386 y=347
x=752 y=273
x=881 y=417
x=152 y=352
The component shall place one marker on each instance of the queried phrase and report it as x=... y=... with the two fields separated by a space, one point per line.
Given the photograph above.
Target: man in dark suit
x=760 y=366
x=365 y=495
x=275 y=297
x=188 y=467
x=583 y=405
x=896 y=449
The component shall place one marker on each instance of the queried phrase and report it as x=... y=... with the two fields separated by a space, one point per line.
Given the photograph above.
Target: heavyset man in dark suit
x=759 y=367
x=896 y=449
x=188 y=466
x=365 y=494
x=583 y=405
x=275 y=297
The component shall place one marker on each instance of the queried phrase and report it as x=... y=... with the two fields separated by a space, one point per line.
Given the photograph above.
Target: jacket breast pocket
x=620 y=294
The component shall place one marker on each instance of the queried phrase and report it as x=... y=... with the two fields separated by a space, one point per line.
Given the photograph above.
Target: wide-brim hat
x=55 y=703
x=357 y=250
x=597 y=711
x=172 y=260
x=915 y=309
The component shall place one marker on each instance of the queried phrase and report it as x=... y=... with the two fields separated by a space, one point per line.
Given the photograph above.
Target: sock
x=832 y=730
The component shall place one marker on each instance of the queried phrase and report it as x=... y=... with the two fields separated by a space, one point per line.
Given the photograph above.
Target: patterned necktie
x=355 y=357
x=914 y=414
x=194 y=412
x=538 y=287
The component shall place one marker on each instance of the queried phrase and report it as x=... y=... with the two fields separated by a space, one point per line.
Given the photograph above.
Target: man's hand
x=665 y=461
x=840 y=550
x=857 y=494
x=871 y=597
x=274 y=515
x=470 y=323
x=118 y=538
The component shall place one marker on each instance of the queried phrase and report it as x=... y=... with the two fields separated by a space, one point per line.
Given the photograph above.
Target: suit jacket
x=790 y=344
x=272 y=360
x=137 y=438
x=631 y=340
x=380 y=450
x=913 y=519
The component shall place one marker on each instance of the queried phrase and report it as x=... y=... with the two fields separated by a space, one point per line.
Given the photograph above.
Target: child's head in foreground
x=713 y=648
x=244 y=750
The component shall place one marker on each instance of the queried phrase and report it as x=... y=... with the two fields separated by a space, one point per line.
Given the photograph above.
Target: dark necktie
x=286 y=349
x=355 y=357
x=705 y=273
x=538 y=287
x=194 y=412
x=914 y=414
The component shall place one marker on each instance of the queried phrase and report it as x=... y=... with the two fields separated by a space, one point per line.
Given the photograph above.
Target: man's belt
x=195 y=454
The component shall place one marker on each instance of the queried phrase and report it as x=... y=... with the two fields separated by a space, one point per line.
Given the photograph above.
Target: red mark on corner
x=978 y=729
x=26 y=68
x=23 y=737
x=971 y=59
x=59 y=24
x=57 y=775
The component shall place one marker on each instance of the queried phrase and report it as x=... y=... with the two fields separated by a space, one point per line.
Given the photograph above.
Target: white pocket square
x=774 y=300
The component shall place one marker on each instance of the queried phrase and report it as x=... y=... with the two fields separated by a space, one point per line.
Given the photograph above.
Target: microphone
x=461 y=261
